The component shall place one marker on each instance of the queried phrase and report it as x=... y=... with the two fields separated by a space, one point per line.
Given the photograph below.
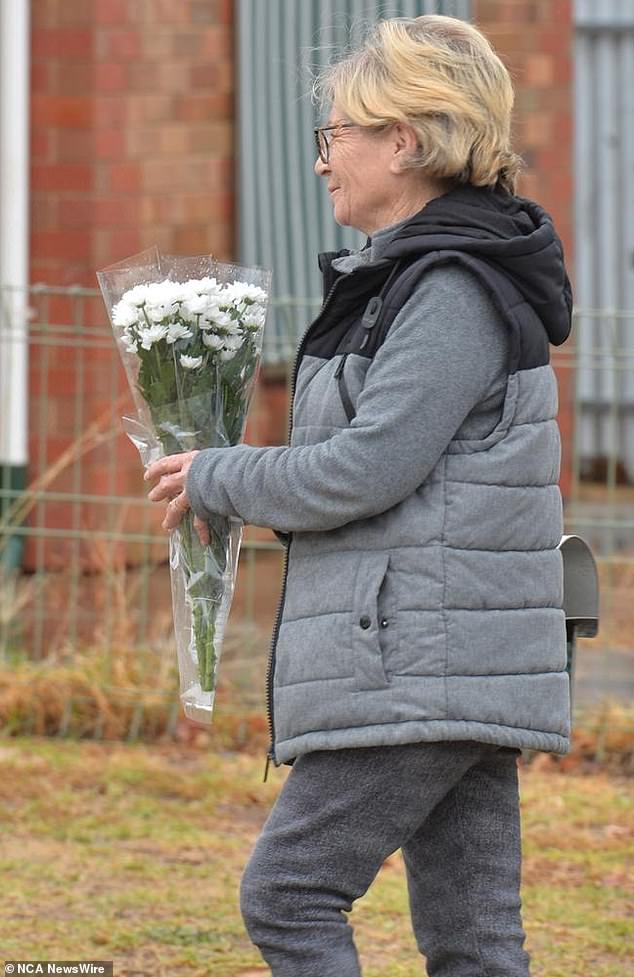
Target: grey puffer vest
x=440 y=618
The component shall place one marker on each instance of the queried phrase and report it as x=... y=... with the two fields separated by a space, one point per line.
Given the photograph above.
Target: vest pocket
x=501 y=429
x=373 y=623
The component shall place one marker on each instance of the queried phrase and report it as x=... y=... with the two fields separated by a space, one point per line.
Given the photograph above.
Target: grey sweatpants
x=452 y=808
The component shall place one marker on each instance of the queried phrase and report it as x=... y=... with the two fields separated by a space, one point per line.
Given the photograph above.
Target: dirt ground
x=134 y=853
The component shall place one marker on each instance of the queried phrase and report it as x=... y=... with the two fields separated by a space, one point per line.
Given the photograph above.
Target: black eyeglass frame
x=323 y=143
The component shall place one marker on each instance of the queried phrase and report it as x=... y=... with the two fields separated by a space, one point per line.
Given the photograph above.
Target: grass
x=134 y=852
x=128 y=692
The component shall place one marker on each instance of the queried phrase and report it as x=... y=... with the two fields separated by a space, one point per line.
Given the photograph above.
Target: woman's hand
x=172 y=474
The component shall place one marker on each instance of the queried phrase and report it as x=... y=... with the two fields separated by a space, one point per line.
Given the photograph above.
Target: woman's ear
x=405 y=144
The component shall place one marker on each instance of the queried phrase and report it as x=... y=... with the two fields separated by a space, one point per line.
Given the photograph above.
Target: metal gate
x=604 y=204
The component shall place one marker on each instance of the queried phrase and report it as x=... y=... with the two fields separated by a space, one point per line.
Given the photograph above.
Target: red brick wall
x=132 y=109
x=535 y=40
x=132 y=132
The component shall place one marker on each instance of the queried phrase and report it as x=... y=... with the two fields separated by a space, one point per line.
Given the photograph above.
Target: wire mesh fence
x=596 y=373
x=86 y=640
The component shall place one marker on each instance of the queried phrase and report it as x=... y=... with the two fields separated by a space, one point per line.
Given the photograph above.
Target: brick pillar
x=535 y=40
x=132 y=145
x=132 y=132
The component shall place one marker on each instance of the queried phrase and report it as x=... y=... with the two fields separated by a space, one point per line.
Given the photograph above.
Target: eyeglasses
x=324 y=136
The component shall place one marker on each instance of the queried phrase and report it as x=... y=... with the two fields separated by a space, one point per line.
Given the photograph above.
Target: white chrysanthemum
x=254 y=318
x=125 y=315
x=180 y=291
x=224 y=324
x=229 y=294
x=251 y=327
x=186 y=315
x=208 y=321
x=195 y=304
x=163 y=293
x=219 y=318
x=130 y=343
x=258 y=314
x=244 y=292
x=207 y=286
x=152 y=334
x=157 y=311
x=227 y=354
x=190 y=362
x=177 y=330
x=136 y=296
x=233 y=342
x=212 y=341
x=185 y=288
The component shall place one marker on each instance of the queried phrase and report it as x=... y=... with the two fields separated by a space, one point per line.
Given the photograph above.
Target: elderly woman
x=420 y=641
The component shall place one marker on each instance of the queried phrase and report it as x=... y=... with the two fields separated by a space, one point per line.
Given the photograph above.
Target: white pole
x=14 y=228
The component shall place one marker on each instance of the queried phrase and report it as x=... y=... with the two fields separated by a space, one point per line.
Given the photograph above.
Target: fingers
x=172 y=472
x=168 y=465
x=175 y=511
x=174 y=515
x=164 y=466
x=168 y=487
x=202 y=529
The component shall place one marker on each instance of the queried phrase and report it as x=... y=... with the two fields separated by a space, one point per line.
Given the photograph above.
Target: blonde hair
x=441 y=76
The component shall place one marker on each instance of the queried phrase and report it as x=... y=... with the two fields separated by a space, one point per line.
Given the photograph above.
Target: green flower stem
x=204 y=634
x=197 y=615
x=204 y=609
x=207 y=672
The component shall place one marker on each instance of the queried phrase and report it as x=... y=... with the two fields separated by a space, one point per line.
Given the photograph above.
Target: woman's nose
x=321 y=168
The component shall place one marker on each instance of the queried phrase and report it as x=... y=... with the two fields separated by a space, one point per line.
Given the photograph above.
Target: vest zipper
x=270 y=668
x=343 y=388
x=340 y=366
x=370 y=317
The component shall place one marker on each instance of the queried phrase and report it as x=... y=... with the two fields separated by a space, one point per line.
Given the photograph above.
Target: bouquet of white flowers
x=189 y=331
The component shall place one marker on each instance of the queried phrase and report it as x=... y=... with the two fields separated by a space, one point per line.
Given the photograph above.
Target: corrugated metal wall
x=604 y=242
x=285 y=216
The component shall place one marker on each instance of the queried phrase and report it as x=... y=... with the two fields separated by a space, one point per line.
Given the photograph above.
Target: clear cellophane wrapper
x=180 y=409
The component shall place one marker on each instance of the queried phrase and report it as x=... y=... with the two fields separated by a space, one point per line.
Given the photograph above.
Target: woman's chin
x=340 y=218
x=343 y=217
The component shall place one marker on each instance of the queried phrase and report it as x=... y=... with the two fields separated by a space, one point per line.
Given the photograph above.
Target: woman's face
x=359 y=174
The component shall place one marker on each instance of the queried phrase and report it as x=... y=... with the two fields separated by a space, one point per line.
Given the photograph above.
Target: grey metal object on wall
x=285 y=217
x=581 y=597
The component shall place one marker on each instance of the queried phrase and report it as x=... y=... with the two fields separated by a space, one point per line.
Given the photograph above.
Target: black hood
x=513 y=234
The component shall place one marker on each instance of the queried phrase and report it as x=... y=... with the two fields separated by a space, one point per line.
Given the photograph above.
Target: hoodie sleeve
x=445 y=353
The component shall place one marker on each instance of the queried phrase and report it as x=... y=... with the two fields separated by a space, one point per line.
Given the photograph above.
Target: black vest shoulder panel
x=362 y=305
